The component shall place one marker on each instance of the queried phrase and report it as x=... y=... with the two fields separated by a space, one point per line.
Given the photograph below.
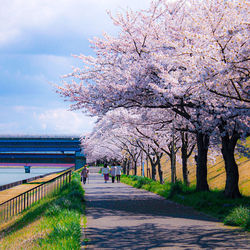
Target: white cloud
x=63 y=121
x=32 y=120
x=33 y=73
x=30 y=30
x=21 y=109
x=20 y=17
x=7 y=127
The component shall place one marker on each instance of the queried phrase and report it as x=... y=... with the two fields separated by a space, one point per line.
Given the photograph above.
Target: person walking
x=113 y=173
x=105 y=172
x=84 y=174
x=118 y=173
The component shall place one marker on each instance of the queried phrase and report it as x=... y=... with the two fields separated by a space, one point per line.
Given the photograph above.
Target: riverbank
x=17 y=175
x=12 y=192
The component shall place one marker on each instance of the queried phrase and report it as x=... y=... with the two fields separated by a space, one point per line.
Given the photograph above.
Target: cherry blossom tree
x=189 y=57
x=111 y=141
x=128 y=71
x=222 y=52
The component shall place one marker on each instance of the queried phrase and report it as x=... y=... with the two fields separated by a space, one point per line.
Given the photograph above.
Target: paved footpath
x=122 y=217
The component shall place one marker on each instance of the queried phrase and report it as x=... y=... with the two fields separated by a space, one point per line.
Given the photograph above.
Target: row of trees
x=125 y=136
x=175 y=77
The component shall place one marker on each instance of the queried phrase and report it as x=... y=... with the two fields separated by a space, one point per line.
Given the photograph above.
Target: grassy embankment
x=53 y=223
x=233 y=212
x=216 y=171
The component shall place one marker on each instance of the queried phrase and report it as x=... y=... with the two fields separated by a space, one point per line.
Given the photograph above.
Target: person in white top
x=105 y=172
x=118 y=173
x=113 y=173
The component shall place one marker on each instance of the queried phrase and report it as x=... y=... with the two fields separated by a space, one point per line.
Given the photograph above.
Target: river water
x=12 y=174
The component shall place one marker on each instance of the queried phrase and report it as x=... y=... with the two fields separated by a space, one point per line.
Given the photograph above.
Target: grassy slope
x=216 y=172
x=53 y=223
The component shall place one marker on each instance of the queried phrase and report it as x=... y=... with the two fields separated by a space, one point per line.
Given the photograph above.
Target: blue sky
x=37 y=39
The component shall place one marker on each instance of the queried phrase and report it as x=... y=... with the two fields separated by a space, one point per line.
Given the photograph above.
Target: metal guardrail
x=23 y=201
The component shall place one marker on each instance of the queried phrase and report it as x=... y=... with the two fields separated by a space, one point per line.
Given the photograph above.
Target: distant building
x=41 y=149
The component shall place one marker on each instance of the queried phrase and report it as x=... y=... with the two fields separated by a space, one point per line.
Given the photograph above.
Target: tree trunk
x=185 y=169
x=184 y=157
x=153 y=169
x=124 y=164
x=154 y=172
x=173 y=168
x=147 y=167
x=128 y=167
x=232 y=173
x=201 y=161
x=135 y=168
x=173 y=160
x=159 y=169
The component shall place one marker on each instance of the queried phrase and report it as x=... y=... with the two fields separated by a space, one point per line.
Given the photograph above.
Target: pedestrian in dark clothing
x=113 y=173
x=84 y=174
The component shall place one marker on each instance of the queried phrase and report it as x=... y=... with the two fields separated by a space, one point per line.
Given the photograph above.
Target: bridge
x=41 y=149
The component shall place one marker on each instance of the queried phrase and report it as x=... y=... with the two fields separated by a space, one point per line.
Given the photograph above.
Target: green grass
x=213 y=203
x=63 y=217
x=54 y=223
x=239 y=216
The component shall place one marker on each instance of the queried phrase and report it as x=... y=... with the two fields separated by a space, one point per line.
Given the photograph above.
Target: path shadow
x=123 y=217
x=128 y=204
x=148 y=236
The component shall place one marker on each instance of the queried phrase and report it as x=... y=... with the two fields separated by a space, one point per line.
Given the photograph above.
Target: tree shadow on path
x=122 y=217
x=149 y=236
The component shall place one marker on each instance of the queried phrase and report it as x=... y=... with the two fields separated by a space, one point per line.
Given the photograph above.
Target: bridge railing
x=26 y=181
x=19 y=203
